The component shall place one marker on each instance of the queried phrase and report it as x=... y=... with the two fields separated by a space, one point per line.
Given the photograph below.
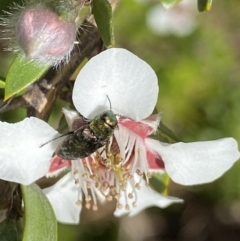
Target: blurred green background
x=199 y=78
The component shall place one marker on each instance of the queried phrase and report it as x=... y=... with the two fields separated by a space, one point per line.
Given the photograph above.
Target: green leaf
x=22 y=73
x=40 y=220
x=160 y=182
x=169 y=3
x=165 y=131
x=102 y=12
x=8 y=230
x=2 y=84
x=204 y=5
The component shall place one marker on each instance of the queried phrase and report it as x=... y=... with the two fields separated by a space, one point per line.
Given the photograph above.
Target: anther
x=85 y=175
x=137 y=186
x=130 y=195
x=97 y=184
x=109 y=198
x=139 y=173
x=117 y=196
x=94 y=207
x=75 y=172
x=127 y=176
x=149 y=175
x=88 y=205
x=119 y=206
x=94 y=176
x=113 y=190
x=127 y=207
x=104 y=186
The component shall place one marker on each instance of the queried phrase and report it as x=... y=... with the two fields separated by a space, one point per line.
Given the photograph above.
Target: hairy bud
x=40 y=34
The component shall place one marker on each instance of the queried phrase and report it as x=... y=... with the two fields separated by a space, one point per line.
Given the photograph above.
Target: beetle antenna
x=70 y=132
x=109 y=102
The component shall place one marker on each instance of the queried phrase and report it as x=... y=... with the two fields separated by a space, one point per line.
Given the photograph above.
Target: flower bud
x=39 y=33
x=44 y=36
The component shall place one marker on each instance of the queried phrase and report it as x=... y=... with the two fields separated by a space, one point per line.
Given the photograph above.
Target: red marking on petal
x=58 y=163
x=154 y=161
x=138 y=128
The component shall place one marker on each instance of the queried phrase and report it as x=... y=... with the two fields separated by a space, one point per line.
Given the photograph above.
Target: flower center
x=114 y=172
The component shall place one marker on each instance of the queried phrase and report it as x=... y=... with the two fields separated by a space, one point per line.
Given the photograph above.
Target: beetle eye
x=103 y=116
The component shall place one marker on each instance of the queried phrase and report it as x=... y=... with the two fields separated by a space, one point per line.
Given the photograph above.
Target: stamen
x=130 y=195
x=97 y=185
x=88 y=165
x=109 y=198
x=88 y=198
x=117 y=196
x=137 y=186
x=119 y=205
x=93 y=197
x=113 y=190
x=149 y=175
x=88 y=205
x=85 y=175
x=139 y=173
x=89 y=185
x=110 y=171
x=75 y=172
x=123 y=186
x=94 y=176
x=104 y=186
x=95 y=207
x=83 y=184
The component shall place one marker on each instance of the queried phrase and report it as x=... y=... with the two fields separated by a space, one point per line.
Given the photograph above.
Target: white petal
x=63 y=196
x=130 y=83
x=22 y=159
x=146 y=197
x=70 y=116
x=198 y=162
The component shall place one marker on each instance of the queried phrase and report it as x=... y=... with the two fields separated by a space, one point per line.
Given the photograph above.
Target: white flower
x=179 y=20
x=122 y=170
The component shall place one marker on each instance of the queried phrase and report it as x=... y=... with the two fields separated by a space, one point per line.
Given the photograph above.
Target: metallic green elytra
x=87 y=136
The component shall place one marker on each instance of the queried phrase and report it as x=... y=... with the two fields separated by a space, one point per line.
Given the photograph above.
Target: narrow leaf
x=204 y=5
x=2 y=84
x=160 y=182
x=40 y=220
x=165 y=131
x=22 y=73
x=102 y=12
